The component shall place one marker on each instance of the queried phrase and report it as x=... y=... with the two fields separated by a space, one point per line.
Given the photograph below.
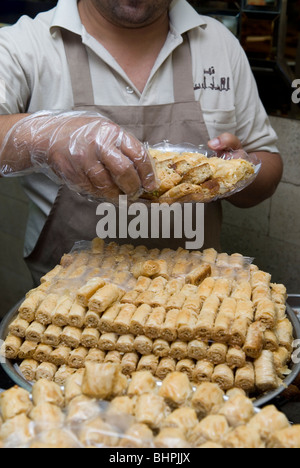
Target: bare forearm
x=264 y=185
x=7 y=122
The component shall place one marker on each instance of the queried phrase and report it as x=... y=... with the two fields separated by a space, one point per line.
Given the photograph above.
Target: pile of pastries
x=99 y=407
x=193 y=176
x=213 y=317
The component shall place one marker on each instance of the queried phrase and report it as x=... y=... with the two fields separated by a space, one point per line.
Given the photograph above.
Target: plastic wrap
x=86 y=151
x=187 y=173
x=146 y=414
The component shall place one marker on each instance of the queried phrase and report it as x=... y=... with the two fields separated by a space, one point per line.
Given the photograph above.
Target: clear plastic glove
x=86 y=151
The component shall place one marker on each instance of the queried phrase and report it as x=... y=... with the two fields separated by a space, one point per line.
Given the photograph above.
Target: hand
x=225 y=143
x=87 y=151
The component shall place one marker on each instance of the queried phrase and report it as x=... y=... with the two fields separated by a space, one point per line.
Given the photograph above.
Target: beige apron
x=73 y=218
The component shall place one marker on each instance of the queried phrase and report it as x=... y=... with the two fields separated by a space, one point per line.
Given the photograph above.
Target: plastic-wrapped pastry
x=217 y=353
x=29 y=306
x=106 y=323
x=73 y=386
x=46 y=308
x=137 y=436
x=105 y=297
x=11 y=347
x=119 y=407
x=35 y=332
x=52 y=335
x=166 y=366
x=245 y=377
x=197 y=349
x=16 y=431
x=213 y=428
x=268 y=421
x=13 y=402
x=97 y=433
x=46 y=416
x=148 y=362
x=141 y=382
x=207 y=399
x=85 y=293
x=224 y=320
x=242 y=437
x=171 y=437
x=186 y=321
x=161 y=348
x=207 y=316
x=265 y=372
x=100 y=380
x=238 y=410
x=46 y=370
x=223 y=376
x=158 y=284
x=203 y=371
x=179 y=349
x=254 y=340
x=139 y=319
x=169 y=327
x=286 y=438
x=176 y=389
x=143 y=344
x=81 y=408
x=47 y=392
x=184 y=418
x=266 y=313
x=150 y=409
x=18 y=327
x=28 y=369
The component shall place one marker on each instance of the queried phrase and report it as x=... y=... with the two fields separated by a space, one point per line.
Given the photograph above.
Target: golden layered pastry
x=210 y=317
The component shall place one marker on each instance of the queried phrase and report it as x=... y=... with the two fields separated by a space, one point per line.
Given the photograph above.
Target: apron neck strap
x=82 y=86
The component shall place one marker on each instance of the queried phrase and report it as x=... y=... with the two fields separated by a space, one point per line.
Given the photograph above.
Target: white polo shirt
x=34 y=68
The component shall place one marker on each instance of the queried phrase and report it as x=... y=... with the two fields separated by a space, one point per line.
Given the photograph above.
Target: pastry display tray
x=11 y=368
x=294 y=303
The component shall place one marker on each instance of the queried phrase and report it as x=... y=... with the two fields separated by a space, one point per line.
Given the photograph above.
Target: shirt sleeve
x=253 y=125
x=15 y=79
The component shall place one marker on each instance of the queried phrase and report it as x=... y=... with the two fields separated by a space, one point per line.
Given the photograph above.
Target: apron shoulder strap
x=183 y=72
x=79 y=67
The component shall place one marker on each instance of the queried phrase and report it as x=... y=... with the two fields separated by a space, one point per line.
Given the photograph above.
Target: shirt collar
x=183 y=17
